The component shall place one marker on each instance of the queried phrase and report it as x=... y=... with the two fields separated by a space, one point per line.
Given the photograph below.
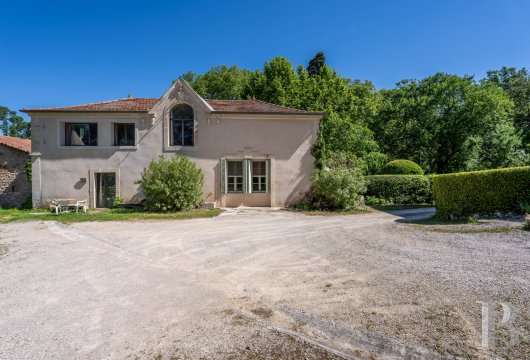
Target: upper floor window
x=123 y=134
x=81 y=134
x=182 y=125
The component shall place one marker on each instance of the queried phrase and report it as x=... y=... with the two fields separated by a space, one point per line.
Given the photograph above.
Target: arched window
x=182 y=125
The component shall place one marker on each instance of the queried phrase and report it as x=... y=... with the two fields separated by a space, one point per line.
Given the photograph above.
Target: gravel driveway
x=260 y=284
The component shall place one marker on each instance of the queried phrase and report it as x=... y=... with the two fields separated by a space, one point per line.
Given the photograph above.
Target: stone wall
x=14 y=186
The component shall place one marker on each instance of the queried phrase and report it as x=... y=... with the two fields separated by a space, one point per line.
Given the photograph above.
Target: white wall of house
x=61 y=171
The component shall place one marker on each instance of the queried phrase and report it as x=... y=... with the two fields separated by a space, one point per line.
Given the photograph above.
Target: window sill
x=172 y=148
x=124 y=148
x=80 y=147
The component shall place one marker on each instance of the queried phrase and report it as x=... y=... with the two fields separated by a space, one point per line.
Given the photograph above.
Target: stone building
x=14 y=184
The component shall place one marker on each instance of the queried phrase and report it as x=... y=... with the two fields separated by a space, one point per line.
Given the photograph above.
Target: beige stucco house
x=252 y=153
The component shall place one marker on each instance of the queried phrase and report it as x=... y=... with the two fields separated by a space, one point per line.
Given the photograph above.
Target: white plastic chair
x=81 y=205
x=57 y=207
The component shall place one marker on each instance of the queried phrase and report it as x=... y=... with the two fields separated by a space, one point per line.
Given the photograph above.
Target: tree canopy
x=444 y=122
x=12 y=124
x=516 y=83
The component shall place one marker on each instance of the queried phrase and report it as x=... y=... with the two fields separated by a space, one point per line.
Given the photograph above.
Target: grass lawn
x=7 y=216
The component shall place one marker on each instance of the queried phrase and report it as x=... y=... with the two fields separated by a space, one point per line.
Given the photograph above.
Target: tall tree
x=342 y=135
x=279 y=83
x=13 y=125
x=220 y=82
x=444 y=123
x=517 y=84
x=316 y=63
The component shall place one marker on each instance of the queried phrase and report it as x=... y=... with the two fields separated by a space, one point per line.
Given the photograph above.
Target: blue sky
x=57 y=53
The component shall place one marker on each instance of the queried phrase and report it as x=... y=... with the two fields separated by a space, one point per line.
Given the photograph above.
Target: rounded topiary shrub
x=402 y=167
x=172 y=184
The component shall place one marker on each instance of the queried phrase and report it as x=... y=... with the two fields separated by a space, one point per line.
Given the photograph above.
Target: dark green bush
x=464 y=194
x=373 y=163
x=338 y=188
x=338 y=185
x=27 y=204
x=402 y=167
x=172 y=184
x=398 y=189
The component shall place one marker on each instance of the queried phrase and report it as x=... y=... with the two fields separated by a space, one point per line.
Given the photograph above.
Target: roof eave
x=270 y=113
x=27 y=111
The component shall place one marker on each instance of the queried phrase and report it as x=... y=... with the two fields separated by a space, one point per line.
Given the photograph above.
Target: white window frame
x=235 y=178
x=68 y=124
x=247 y=176
x=263 y=179
x=113 y=139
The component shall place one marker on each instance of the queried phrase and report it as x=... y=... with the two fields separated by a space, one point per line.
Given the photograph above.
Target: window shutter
x=268 y=173
x=246 y=175
x=223 y=177
x=249 y=177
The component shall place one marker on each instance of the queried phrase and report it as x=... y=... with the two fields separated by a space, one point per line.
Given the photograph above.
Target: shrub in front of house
x=172 y=184
x=339 y=185
x=402 y=167
x=481 y=192
x=398 y=189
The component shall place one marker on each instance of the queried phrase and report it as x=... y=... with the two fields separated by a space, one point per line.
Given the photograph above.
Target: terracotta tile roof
x=121 y=105
x=16 y=143
x=253 y=106
x=145 y=104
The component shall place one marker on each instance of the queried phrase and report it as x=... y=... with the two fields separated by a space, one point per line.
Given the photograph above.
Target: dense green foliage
x=339 y=185
x=445 y=123
x=464 y=194
x=27 y=170
x=220 y=82
x=448 y=123
x=516 y=83
x=398 y=189
x=13 y=125
x=402 y=167
x=172 y=184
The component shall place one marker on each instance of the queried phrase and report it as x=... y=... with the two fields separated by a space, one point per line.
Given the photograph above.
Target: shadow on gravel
x=411 y=215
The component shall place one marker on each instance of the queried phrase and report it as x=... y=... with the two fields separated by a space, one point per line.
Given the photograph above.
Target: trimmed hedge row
x=464 y=194
x=398 y=189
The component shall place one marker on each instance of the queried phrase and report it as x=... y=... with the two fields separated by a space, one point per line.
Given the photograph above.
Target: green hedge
x=464 y=194
x=402 y=167
x=398 y=189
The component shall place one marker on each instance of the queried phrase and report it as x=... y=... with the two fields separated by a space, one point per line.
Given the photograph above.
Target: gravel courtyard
x=253 y=284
